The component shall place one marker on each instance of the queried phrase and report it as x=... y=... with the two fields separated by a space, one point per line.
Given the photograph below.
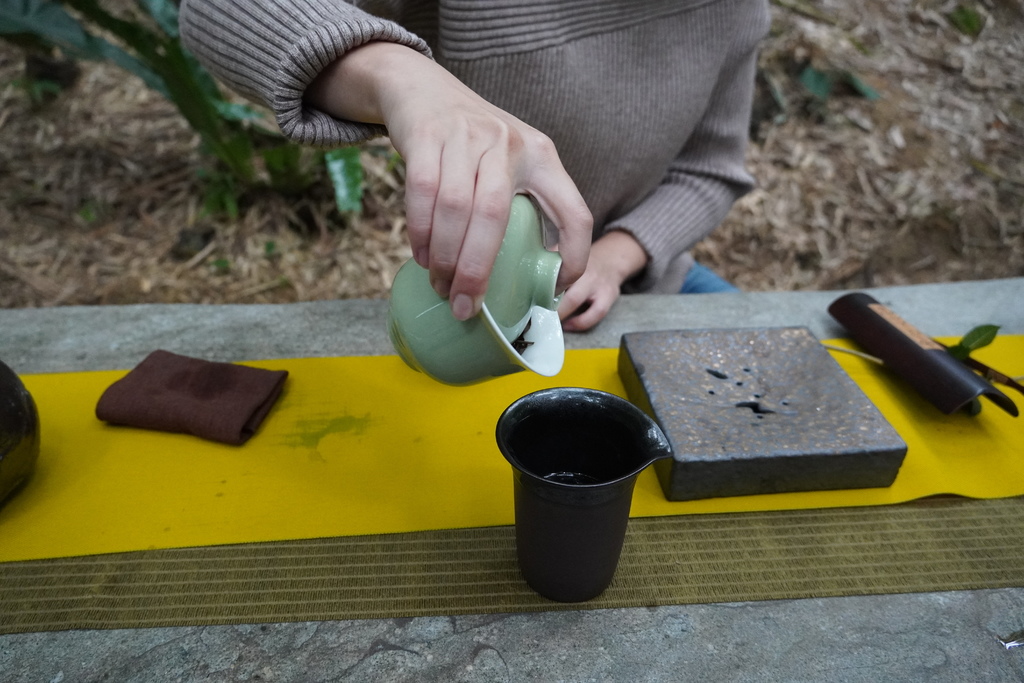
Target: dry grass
x=923 y=185
x=100 y=201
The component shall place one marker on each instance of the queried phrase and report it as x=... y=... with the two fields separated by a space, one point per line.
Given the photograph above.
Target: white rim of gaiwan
x=546 y=353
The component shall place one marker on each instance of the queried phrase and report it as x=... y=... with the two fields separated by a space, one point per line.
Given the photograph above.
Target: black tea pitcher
x=575 y=455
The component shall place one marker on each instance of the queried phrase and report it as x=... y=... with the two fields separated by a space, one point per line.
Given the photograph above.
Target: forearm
x=347 y=88
x=465 y=159
x=339 y=75
x=370 y=82
x=271 y=50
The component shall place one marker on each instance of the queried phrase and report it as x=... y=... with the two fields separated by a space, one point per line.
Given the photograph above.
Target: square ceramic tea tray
x=756 y=410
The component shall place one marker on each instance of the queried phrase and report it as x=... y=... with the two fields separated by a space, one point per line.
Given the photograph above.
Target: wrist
x=621 y=254
x=355 y=86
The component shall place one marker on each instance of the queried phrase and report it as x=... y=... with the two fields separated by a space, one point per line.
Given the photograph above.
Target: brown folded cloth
x=171 y=393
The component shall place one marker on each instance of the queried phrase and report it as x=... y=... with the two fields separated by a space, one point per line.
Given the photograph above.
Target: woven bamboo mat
x=934 y=545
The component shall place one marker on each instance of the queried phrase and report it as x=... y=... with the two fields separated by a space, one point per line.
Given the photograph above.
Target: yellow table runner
x=363 y=445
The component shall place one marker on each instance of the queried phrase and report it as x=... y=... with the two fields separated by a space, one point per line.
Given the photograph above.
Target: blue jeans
x=702 y=280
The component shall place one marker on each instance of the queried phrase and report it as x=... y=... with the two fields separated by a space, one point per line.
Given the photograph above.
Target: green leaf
x=346 y=172
x=282 y=160
x=39 y=91
x=958 y=352
x=195 y=93
x=286 y=169
x=164 y=13
x=230 y=111
x=50 y=22
x=979 y=337
x=862 y=88
x=88 y=212
x=39 y=17
x=817 y=82
x=967 y=20
x=153 y=53
x=973 y=407
x=186 y=63
x=220 y=193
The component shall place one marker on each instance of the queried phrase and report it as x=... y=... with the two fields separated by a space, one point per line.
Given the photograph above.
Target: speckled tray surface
x=759 y=410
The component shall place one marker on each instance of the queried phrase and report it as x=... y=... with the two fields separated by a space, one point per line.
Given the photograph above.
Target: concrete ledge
x=947 y=637
x=117 y=337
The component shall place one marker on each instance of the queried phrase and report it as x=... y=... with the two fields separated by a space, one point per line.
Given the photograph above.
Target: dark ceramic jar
x=19 y=432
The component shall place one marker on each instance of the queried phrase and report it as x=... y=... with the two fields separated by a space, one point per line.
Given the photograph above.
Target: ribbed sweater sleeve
x=271 y=50
x=701 y=184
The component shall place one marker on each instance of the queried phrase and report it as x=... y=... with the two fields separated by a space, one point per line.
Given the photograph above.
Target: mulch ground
x=101 y=198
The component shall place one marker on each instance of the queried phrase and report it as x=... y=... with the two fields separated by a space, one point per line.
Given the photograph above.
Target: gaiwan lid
x=525 y=273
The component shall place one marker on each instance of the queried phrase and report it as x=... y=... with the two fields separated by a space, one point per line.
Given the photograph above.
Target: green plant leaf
x=861 y=88
x=185 y=83
x=282 y=160
x=153 y=53
x=230 y=111
x=973 y=407
x=164 y=13
x=195 y=93
x=979 y=337
x=286 y=169
x=88 y=212
x=220 y=193
x=40 y=17
x=346 y=172
x=958 y=352
x=817 y=82
x=38 y=91
x=967 y=20
x=50 y=22
x=185 y=62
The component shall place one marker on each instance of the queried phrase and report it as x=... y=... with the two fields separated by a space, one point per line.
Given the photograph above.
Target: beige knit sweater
x=647 y=101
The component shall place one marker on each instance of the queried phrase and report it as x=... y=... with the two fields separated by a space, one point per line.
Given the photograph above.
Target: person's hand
x=614 y=258
x=465 y=160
